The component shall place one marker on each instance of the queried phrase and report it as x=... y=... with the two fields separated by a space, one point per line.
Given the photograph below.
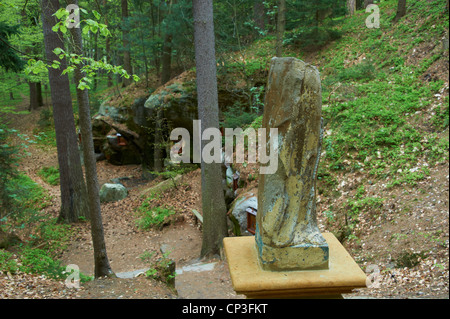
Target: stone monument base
x=248 y=278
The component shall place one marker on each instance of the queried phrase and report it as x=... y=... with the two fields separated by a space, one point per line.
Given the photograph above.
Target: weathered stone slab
x=287 y=235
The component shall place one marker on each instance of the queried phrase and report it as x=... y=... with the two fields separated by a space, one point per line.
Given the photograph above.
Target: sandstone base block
x=249 y=278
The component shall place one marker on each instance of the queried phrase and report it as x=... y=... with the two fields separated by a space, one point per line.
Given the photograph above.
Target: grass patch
x=153 y=217
x=50 y=175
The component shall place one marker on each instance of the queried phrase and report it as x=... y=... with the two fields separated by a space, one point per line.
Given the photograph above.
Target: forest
x=92 y=204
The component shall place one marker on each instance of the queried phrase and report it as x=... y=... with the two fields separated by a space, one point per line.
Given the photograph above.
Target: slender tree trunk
x=126 y=43
x=166 y=59
x=96 y=56
x=73 y=188
x=213 y=201
x=401 y=10
x=166 y=71
x=281 y=24
x=40 y=100
x=102 y=267
x=259 y=14
x=34 y=102
x=158 y=160
x=108 y=49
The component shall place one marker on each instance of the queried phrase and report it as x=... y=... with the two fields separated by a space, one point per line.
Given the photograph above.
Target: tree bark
x=351 y=7
x=259 y=14
x=281 y=24
x=73 y=188
x=367 y=2
x=158 y=160
x=40 y=100
x=108 y=49
x=34 y=103
x=102 y=266
x=166 y=71
x=125 y=43
x=213 y=201
x=401 y=10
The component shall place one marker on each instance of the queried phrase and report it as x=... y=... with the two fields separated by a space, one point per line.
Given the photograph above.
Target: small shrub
x=50 y=175
x=441 y=118
x=7 y=262
x=8 y=169
x=162 y=269
x=236 y=117
x=38 y=261
x=364 y=71
x=153 y=217
x=45 y=118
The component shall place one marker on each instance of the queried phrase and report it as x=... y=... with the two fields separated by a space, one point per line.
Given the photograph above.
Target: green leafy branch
x=90 y=67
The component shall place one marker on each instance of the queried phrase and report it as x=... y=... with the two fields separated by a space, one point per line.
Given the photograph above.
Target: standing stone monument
x=289 y=256
x=287 y=234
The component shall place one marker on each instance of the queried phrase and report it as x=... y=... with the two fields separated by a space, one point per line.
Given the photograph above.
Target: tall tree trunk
x=34 y=102
x=351 y=7
x=40 y=100
x=108 y=48
x=73 y=188
x=213 y=201
x=158 y=159
x=102 y=267
x=401 y=10
x=126 y=43
x=281 y=24
x=166 y=59
x=96 y=57
x=259 y=14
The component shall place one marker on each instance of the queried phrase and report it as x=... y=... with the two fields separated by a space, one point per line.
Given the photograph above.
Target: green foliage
x=50 y=175
x=52 y=236
x=236 y=117
x=8 y=169
x=257 y=123
x=45 y=118
x=364 y=71
x=45 y=138
x=441 y=118
x=8 y=57
x=153 y=217
x=311 y=39
x=162 y=269
x=38 y=261
x=8 y=262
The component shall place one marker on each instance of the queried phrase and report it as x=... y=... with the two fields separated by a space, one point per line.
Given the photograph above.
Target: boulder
x=112 y=192
x=238 y=211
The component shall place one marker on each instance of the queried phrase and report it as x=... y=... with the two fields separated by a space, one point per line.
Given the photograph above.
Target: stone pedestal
x=248 y=278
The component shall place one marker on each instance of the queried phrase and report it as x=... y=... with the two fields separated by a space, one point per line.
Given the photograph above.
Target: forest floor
x=413 y=227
